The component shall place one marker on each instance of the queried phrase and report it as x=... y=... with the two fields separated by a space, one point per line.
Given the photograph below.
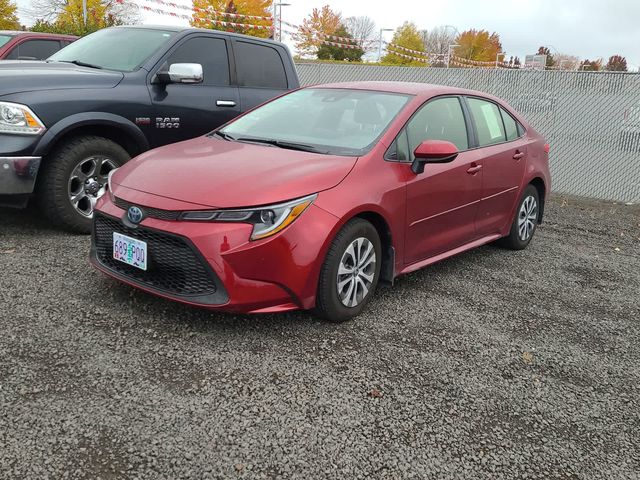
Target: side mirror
x=433 y=151
x=182 y=73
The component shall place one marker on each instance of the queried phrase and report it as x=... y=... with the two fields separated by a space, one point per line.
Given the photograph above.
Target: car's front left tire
x=350 y=272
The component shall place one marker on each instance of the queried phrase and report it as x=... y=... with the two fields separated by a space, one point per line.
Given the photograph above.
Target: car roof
x=14 y=33
x=173 y=28
x=407 y=88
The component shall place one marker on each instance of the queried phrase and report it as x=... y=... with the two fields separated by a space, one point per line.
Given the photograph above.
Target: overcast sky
x=587 y=28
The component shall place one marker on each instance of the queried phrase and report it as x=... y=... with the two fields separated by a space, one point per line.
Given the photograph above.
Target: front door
x=442 y=202
x=184 y=111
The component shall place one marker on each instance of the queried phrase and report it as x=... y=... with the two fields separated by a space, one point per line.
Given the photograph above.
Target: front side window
x=335 y=121
x=259 y=66
x=4 y=39
x=486 y=116
x=439 y=119
x=209 y=52
x=121 y=49
x=34 y=50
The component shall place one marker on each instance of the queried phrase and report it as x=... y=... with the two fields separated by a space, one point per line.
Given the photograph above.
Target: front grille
x=173 y=265
x=149 y=212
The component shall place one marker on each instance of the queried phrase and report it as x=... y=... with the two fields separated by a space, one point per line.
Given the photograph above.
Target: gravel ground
x=492 y=364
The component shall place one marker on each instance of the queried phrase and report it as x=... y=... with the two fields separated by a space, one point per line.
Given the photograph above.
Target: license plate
x=130 y=251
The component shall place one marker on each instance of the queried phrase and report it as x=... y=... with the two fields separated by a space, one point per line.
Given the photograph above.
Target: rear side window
x=510 y=125
x=259 y=66
x=209 y=52
x=439 y=119
x=488 y=120
x=34 y=50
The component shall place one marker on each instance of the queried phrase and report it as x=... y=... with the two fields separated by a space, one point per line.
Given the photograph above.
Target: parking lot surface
x=492 y=364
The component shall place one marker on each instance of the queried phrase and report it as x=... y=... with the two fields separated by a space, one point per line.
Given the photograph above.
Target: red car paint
x=18 y=38
x=449 y=208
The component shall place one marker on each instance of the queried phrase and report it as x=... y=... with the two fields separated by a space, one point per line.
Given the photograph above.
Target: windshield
x=4 y=39
x=122 y=49
x=335 y=121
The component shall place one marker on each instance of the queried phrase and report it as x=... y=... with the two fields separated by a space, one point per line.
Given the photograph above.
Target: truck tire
x=74 y=176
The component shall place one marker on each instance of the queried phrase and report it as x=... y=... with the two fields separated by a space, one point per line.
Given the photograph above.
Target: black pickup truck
x=67 y=122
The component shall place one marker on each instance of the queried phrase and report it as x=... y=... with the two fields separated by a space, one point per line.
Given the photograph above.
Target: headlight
x=266 y=221
x=19 y=119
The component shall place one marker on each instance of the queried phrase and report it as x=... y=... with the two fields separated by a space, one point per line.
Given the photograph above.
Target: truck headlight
x=266 y=221
x=19 y=119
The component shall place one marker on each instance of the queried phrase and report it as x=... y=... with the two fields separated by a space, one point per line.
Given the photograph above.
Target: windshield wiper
x=225 y=136
x=82 y=64
x=303 y=147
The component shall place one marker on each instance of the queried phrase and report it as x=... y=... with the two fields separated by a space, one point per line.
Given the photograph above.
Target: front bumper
x=18 y=175
x=276 y=274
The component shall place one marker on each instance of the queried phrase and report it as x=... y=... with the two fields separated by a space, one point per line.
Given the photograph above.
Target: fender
x=53 y=134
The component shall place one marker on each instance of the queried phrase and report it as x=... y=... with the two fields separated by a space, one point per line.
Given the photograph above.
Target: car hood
x=222 y=174
x=18 y=77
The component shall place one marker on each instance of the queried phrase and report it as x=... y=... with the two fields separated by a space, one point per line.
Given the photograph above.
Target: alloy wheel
x=88 y=182
x=356 y=272
x=527 y=218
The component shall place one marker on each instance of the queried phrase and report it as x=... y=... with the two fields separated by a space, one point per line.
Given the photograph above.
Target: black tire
x=328 y=303
x=55 y=175
x=513 y=240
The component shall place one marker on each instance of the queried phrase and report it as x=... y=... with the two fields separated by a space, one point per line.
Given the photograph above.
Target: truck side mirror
x=182 y=73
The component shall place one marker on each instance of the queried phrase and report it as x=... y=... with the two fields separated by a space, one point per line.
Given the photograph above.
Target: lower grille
x=174 y=266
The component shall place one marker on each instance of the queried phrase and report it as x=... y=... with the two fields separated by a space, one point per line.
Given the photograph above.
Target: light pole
x=449 y=53
x=279 y=18
x=380 y=41
x=84 y=12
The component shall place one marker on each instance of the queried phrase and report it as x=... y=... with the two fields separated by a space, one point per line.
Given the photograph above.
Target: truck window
x=209 y=52
x=34 y=50
x=259 y=66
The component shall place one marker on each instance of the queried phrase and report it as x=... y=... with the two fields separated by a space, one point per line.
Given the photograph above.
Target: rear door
x=184 y=111
x=503 y=154
x=261 y=72
x=442 y=202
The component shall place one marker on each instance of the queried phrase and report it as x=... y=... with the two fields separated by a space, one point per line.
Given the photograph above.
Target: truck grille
x=150 y=212
x=174 y=265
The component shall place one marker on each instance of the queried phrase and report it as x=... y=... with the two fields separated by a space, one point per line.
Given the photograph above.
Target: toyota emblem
x=135 y=215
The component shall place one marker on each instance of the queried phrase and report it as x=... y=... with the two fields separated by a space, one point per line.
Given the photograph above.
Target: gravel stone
x=492 y=364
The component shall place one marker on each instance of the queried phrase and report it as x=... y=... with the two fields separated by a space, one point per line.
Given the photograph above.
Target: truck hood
x=222 y=174
x=17 y=77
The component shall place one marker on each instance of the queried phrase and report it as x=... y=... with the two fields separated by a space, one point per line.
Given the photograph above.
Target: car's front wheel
x=350 y=272
x=74 y=177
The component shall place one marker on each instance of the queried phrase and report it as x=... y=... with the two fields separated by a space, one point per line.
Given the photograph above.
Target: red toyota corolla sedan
x=310 y=200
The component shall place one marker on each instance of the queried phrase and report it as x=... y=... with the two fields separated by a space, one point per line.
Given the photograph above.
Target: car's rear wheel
x=74 y=177
x=350 y=272
x=525 y=221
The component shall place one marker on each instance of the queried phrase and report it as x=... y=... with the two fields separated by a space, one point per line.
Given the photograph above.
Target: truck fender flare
x=67 y=124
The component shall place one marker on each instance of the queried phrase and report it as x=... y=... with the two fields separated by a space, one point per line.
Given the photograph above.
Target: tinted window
x=337 y=121
x=4 y=39
x=209 y=52
x=510 y=125
x=440 y=119
x=123 y=49
x=34 y=50
x=259 y=66
x=486 y=116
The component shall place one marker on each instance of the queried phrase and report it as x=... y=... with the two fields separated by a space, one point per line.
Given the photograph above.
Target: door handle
x=518 y=155
x=474 y=169
x=225 y=103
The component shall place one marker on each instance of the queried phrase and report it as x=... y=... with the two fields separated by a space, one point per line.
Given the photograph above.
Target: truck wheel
x=74 y=177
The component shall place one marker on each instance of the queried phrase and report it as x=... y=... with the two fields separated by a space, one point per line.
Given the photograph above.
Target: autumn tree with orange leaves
x=324 y=21
x=204 y=14
x=478 y=45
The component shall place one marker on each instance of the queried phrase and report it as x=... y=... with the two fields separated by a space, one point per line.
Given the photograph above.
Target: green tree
x=407 y=36
x=332 y=52
x=616 y=63
x=8 y=15
x=260 y=8
x=478 y=45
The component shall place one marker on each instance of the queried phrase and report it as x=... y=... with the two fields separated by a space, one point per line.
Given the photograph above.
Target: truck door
x=261 y=73
x=184 y=111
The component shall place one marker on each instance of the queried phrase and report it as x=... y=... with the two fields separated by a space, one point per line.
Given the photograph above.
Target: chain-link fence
x=591 y=120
